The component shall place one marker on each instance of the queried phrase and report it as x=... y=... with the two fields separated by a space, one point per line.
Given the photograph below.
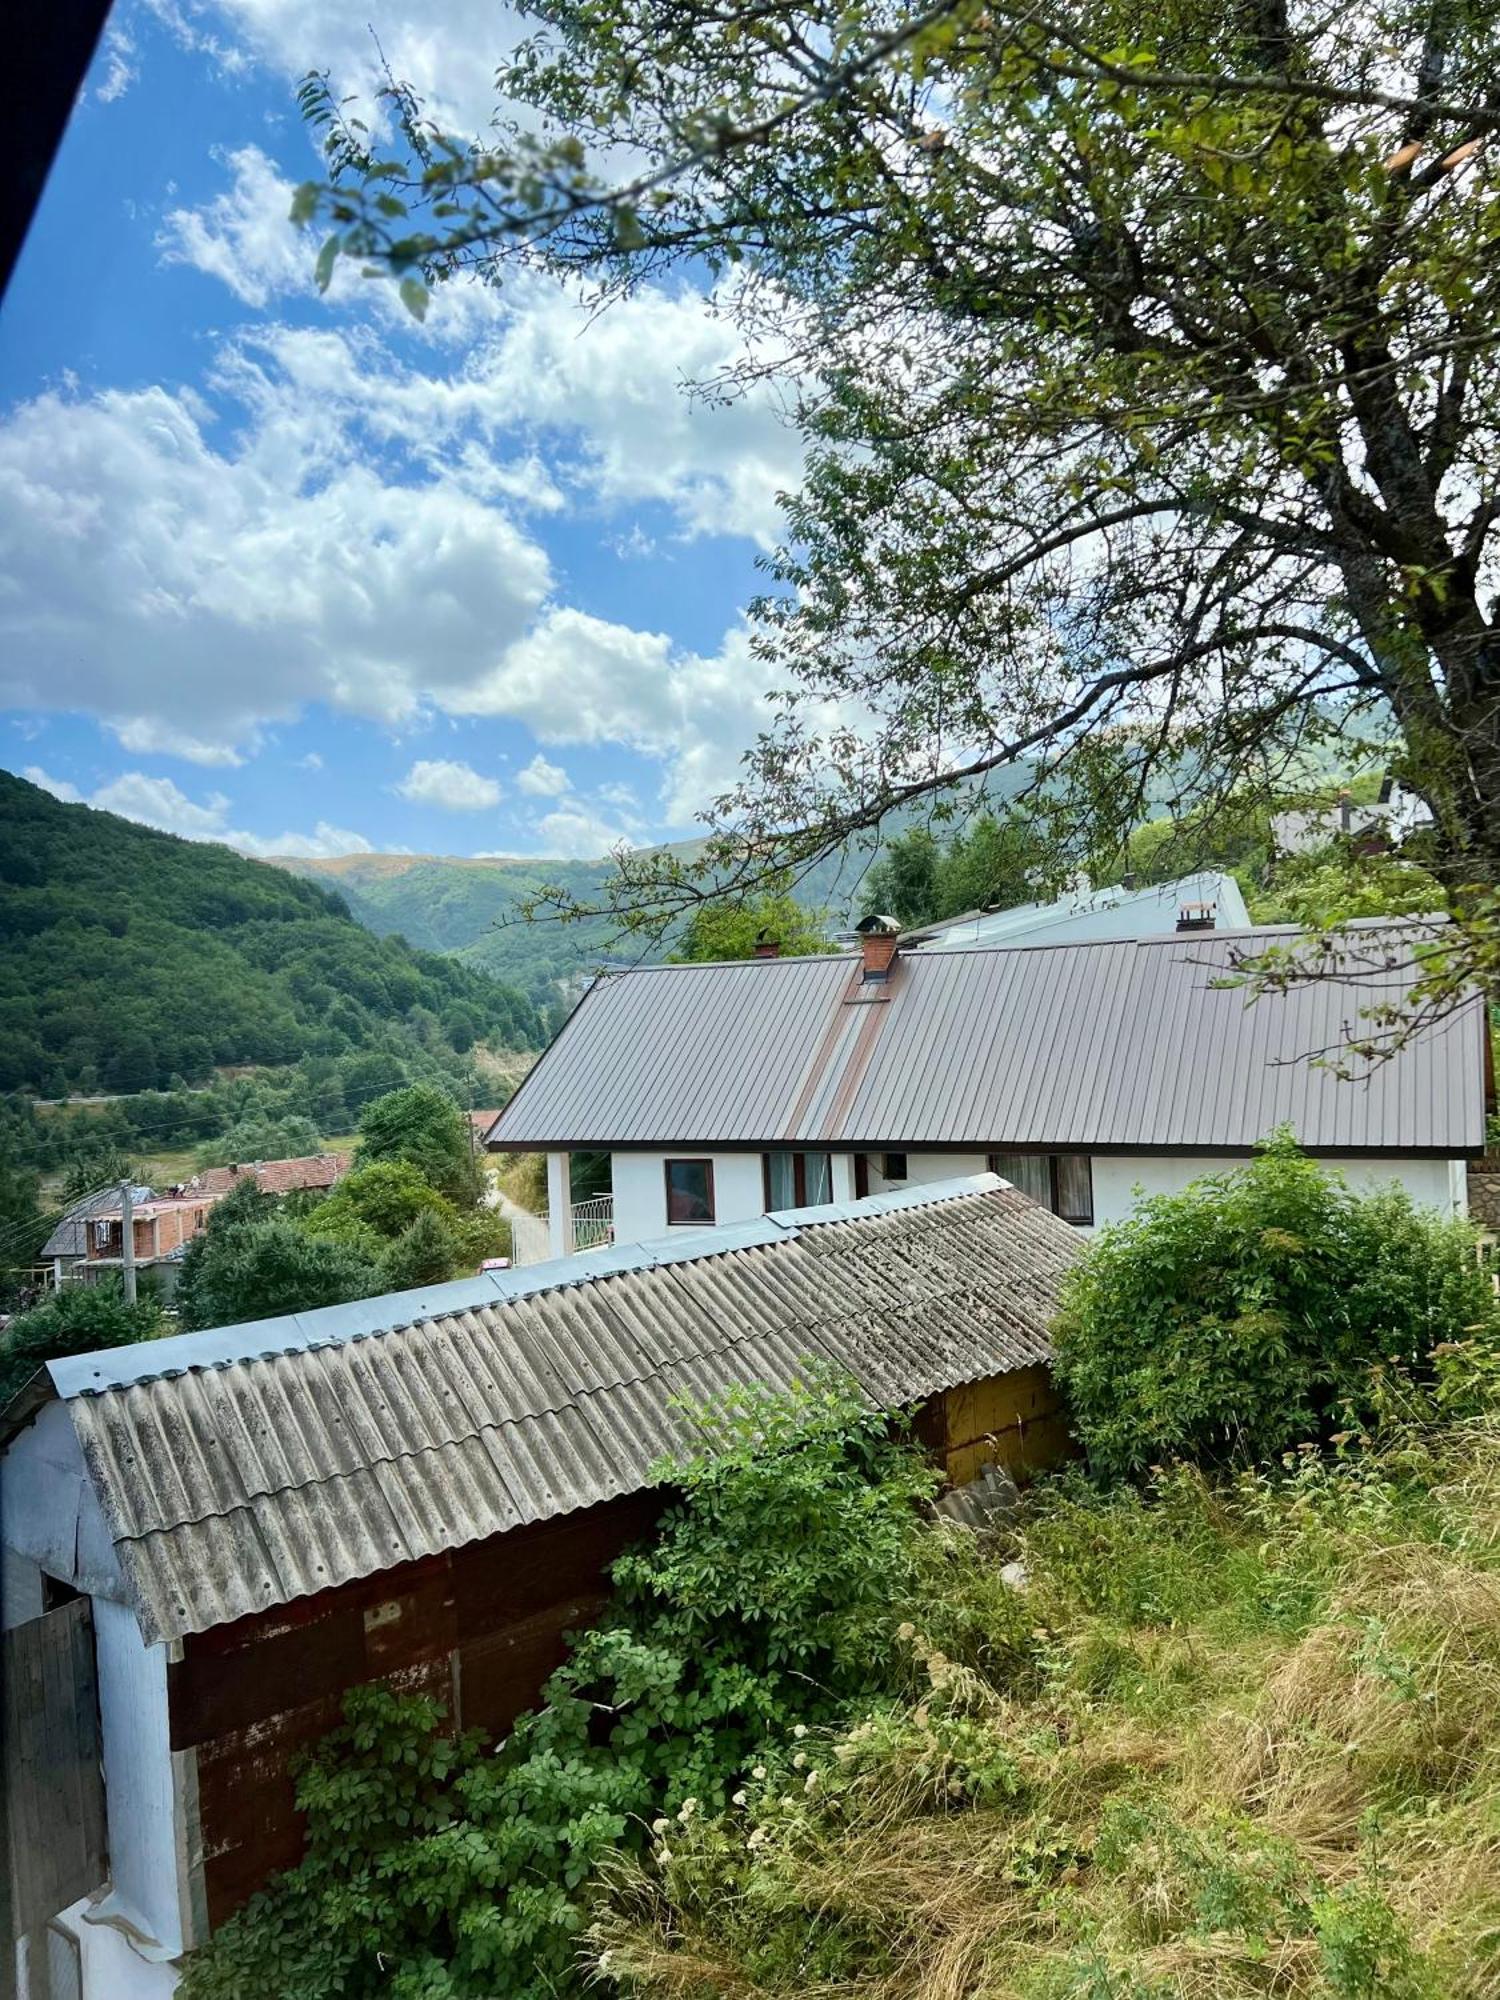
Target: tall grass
x=1230 y=1740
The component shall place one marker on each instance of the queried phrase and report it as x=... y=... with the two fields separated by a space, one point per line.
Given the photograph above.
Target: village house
x=1209 y=900
x=1085 y=1073
x=89 y=1241
x=210 y=1538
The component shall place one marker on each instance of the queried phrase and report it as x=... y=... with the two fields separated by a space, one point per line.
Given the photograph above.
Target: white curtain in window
x=818 y=1174
x=1029 y=1172
x=781 y=1179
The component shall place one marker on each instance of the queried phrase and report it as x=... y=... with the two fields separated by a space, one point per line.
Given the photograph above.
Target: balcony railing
x=593 y=1222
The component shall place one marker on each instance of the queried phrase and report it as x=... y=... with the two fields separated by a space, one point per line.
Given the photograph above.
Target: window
x=798 y=1180
x=690 y=1191
x=893 y=1167
x=1062 y=1182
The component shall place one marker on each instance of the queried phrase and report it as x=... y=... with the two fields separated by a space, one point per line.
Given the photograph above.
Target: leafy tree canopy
x=133 y=961
x=737 y=930
x=252 y=1262
x=425 y=1128
x=75 y=1320
x=1146 y=364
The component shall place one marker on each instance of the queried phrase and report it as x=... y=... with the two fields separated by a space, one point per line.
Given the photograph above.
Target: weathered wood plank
x=54 y=1784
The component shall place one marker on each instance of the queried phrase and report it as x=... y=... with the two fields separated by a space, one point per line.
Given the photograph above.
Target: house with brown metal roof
x=1084 y=1073
x=210 y=1538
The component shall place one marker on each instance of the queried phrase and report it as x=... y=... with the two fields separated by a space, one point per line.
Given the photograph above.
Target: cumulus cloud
x=576 y=834
x=455 y=786
x=156 y=574
x=159 y=803
x=543 y=780
x=537 y=362
x=58 y=787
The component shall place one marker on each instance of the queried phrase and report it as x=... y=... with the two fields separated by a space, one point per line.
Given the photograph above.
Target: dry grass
x=1245 y=1802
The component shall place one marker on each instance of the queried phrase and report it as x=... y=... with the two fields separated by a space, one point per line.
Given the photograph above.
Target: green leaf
x=305 y=203
x=327 y=258
x=415 y=296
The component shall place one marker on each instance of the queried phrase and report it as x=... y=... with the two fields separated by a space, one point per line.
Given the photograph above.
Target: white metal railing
x=593 y=1222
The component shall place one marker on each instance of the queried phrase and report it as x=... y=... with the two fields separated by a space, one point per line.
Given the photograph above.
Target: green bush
x=75 y=1320
x=1253 y=1311
x=765 y=1604
x=252 y=1262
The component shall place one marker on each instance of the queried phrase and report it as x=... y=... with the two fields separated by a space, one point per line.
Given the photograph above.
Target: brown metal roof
x=1125 y=1045
x=250 y=1465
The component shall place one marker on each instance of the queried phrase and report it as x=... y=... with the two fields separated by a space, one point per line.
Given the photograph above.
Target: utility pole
x=127 y=1239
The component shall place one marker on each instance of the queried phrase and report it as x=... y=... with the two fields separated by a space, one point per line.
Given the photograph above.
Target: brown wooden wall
x=1013 y=1420
x=479 y=1629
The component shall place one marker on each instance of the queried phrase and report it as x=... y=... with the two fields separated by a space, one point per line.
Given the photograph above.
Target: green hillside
x=130 y=959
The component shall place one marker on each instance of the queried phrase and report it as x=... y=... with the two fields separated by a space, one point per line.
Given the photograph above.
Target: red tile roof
x=312 y=1170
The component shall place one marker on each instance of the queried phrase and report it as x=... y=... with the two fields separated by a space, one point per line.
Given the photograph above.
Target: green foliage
x=764 y=1604
x=254 y=1139
x=1335 y=884
x=1226 y=1739
x=735 y=930
x=424 y=1127
x=992 y=864
x=382 y=1198
x=1247 y=1313
x=425 y=1252
x=135 y=961
x=24 y=1228
x=75 y=1320
x=253 y=1262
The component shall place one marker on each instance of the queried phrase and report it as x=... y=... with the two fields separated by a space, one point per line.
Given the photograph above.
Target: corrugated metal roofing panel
x=1123 y=1044
x=266 y=1463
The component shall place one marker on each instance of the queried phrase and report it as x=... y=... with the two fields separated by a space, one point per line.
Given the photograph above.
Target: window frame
x=691 y=1160
x=1054 y=1181
x=799 y=1161
x=886 y=1171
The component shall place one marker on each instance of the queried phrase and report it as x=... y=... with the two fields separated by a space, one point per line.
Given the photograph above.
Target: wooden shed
x=428 y=1489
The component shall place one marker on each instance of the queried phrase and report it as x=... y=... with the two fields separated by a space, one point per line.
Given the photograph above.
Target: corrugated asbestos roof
x=250 y=1465
x=1124 y=1044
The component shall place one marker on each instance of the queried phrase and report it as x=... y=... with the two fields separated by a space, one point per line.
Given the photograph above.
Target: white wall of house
x=1439 y=1184
x=640 y=1201
x=640 y=1190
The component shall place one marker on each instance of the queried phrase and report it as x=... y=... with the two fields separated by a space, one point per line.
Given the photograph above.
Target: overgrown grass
x=1235 y=1739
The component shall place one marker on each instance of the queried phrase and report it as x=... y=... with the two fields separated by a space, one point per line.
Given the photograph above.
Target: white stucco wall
x=1439 y=1184
x=640 y=1190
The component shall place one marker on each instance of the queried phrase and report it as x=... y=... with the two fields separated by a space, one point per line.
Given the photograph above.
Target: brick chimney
x=878 y=937
x=767 y=946
x=1196 y=916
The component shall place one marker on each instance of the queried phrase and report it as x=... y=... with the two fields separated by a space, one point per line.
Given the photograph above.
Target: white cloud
x=58 y=787
x=154 y=738
x=455 y=786
x=537 y=364
x=448 y=53
x=159 y=803
x=120 y=66
x=543 y=780
x=149 y=574
x=575 y=834
x=311 y=762
x=322 y=844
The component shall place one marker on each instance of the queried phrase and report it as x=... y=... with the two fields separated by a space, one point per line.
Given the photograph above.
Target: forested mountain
x=130 y=959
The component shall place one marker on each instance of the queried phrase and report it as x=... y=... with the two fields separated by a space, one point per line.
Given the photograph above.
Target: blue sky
x=301 y=575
